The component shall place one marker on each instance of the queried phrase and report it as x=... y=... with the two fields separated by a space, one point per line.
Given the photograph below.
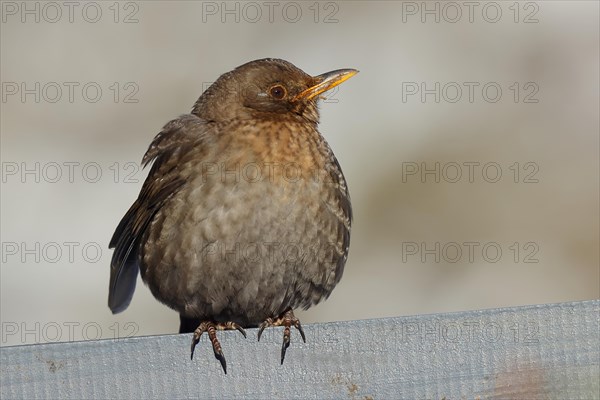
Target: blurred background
x=469 y=140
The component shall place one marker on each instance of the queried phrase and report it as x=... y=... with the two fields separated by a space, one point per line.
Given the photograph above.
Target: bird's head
x=267 y=89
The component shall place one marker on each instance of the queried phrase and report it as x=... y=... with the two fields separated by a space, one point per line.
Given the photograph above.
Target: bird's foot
x=211 y=328
x=287 y=320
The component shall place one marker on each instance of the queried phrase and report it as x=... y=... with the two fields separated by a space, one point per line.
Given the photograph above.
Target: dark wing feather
x=163 y=180
x=343 y=195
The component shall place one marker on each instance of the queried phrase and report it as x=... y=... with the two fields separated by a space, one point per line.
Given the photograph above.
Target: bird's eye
x=277 y=92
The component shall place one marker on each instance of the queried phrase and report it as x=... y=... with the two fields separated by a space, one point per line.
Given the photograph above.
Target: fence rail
x=549 y=351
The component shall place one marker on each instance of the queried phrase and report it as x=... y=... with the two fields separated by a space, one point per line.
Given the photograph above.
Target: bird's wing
x=175 y=139
x=343 y=198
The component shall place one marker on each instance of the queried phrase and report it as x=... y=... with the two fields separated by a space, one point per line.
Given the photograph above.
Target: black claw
x=194 y=343
x=221 y=357
x=260 y=330
x=299 y=327
x=284 y=346
x=242 y=331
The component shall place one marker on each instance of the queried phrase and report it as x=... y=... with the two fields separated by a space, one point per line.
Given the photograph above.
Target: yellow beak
x=326 y=81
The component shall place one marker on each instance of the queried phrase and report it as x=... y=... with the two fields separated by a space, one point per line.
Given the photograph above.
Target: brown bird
x=245 y=214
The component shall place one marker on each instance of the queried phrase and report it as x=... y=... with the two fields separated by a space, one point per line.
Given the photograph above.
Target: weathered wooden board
x=534 y=352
